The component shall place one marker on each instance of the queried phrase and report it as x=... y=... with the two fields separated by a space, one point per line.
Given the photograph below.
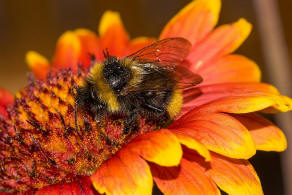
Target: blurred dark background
x=36 y=25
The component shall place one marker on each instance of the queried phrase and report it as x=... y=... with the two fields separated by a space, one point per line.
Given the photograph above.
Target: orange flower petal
x=234 y=176
x=192 y=143
x=113 y=35
x=193 y=22
x=38 y=64
x=90 y=45
x=230 y=68
x=125 y=173
x=220 y=133
x=250 y=103
x=6 y=98
x=234 y=98
x=188 y=178
x=67 y=51
x=80 y=187
x=161 y=147
x=137 y=44
x=222 y=41
x=266 y=135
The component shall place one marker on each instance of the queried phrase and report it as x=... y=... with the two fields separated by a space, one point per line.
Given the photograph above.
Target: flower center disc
x=41 y=144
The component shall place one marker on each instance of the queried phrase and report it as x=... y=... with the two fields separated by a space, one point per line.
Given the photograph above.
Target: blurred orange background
x=36 y=25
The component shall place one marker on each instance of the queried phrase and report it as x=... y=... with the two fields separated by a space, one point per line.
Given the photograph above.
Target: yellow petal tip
x=189 y=15
x=282 y=103
x=33 y=58
x=83 y=32
x=68 y=37
x=283 y=146
x=213 y=5
x=278 y=145
x=288 y=103
x=244 y=27
x=71 y=39
x=108 y=19
x=194 y=145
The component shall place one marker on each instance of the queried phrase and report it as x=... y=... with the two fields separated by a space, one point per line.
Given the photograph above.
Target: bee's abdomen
x=175 y=103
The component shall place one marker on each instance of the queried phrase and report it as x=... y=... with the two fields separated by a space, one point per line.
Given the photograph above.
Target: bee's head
x=116 y=75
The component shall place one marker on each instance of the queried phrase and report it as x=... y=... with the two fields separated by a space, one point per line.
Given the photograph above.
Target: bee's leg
x=131 y=122
x=74 y=91
x=159 y=115
x=76 y=121
x=163 y=120
x=98 y=120
x=153 y=108
x=74 y=94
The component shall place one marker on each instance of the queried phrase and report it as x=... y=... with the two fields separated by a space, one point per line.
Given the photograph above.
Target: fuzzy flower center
x=41 y=144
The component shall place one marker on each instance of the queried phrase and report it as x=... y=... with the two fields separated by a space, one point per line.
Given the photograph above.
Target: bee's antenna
x=106 y=53
x=92 y=58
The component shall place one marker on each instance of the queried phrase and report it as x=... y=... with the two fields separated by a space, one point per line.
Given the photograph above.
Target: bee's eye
x=149 y=94
x=115 y=81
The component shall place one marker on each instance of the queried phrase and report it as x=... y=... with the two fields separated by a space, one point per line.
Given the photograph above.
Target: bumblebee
x=147 y=83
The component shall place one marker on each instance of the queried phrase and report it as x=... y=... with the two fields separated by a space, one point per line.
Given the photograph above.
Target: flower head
x=47 y=147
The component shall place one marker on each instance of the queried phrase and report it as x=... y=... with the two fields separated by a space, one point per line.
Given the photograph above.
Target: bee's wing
x=178 y=75
x=169 y=51
x=184 y=77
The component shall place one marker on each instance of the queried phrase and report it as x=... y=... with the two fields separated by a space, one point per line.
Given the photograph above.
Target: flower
x=208 y=146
